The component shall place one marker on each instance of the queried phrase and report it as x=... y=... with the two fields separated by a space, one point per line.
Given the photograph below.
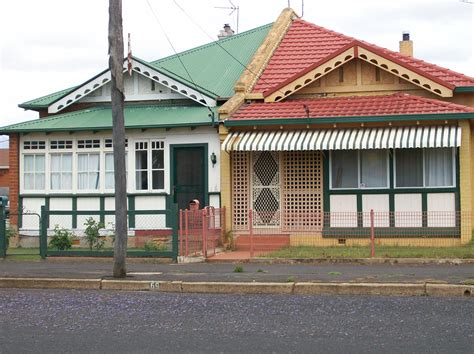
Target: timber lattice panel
x=240 y=189
x=302 y=190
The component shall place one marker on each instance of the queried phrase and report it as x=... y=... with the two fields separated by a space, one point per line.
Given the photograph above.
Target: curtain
x=344 y=169
x=373 y=168
x=409 y=167
x=109 y=171
x=439 y=167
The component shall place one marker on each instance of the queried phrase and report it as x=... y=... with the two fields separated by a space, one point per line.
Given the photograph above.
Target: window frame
x=88 y=172
x=149 y=170
x=359 y=162
x=44 y=155
x=424 y=186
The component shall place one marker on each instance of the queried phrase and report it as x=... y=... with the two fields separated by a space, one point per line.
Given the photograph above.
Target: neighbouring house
x=333 y=127
x=4 y=172
x=64 y=159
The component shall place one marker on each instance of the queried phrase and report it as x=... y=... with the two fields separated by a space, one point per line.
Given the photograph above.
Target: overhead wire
x=177 y=55
x=257 y=76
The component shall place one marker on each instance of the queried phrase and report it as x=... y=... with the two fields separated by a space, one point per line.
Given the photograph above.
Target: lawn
x=466 y=251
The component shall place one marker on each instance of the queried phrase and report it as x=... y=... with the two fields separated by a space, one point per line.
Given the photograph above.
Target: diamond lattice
x=265 y=168
x=266 y=205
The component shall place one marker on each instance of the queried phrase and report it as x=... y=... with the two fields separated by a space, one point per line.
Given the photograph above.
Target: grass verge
x=466 y=251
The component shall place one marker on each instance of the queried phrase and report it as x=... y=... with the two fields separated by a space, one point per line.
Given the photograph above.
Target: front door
x=189 y=182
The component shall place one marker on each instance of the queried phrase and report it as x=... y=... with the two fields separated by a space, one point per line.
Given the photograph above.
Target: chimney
x=406 y=45
x=226 y=32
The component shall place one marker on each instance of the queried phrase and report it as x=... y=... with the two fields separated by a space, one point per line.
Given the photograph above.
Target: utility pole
x=118 y=135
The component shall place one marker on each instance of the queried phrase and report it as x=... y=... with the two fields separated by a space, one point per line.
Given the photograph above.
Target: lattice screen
x=240 y=189
x=302 y=190
x=266 y=188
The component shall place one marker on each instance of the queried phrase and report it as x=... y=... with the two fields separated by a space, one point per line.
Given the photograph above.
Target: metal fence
x=201 y=231
x=269 y=231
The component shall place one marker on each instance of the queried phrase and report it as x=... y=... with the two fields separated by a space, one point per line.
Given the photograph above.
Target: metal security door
x=266 y=188
x=189 y=175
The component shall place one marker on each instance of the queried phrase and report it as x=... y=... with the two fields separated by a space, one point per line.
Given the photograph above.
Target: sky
x=50 y=45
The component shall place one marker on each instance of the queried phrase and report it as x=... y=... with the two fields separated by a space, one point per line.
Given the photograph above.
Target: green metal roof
x=100 y=118
x=45 y=101
x=211 y=66
x=213 y=70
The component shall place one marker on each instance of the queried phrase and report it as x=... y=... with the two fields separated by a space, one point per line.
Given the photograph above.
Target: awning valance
x=344 y=139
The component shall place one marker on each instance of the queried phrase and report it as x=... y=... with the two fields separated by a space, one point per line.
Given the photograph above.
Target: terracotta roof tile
x=352 y=106
x=305 y=44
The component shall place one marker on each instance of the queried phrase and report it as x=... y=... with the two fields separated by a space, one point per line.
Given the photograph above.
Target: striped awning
x=344 y=139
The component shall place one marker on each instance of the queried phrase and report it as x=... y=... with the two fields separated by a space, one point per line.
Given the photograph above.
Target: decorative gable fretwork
x=311 y=76
x=404 y=73
x=140 y=68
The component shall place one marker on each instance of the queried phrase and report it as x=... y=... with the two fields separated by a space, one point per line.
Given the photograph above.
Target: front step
x=262 y=242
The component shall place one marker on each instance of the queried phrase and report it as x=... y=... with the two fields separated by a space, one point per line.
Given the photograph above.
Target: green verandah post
x=44 y=232
x=3 y=230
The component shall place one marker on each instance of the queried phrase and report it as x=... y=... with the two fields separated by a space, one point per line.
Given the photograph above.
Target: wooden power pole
x=118 y=135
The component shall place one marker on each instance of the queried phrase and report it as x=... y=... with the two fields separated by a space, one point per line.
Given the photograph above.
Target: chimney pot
x=406 y=36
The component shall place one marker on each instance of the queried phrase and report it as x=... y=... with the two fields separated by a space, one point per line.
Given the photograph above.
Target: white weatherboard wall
x=31 y=222
x=178 y=136
x=379 y=203
x=441 y=210
x=408 y=209
x=343 y=210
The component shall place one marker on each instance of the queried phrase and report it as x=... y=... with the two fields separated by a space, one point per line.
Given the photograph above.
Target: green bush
x=153 y=246
x=10 y=232
x=92 y=233
x=62 y=238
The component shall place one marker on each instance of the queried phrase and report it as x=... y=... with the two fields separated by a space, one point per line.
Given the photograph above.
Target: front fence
x=154 y=235
x=267 y=231
x=200 y=231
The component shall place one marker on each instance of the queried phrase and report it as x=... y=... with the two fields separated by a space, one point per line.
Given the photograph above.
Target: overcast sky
x=50 y=45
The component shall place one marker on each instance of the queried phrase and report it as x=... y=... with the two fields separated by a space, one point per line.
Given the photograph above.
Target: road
x=59 y=321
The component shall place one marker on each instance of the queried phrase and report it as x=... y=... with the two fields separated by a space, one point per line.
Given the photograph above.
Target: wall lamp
x=213 y=159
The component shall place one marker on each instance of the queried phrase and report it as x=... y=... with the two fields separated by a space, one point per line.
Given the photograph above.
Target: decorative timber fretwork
x=422 y=80
x=316 y=72
x=140 y=68
x=369 y=54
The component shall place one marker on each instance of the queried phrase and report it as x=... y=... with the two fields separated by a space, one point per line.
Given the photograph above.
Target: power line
x=218 y=44
x=176 y=53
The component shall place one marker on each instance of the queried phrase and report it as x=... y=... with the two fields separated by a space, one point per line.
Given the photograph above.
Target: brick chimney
x=226 y=32
x=406 y=45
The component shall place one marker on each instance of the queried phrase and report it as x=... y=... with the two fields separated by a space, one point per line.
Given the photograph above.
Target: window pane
x=373 y=168
x=82 y=163
x=66 y=181
x=29 y=163
x=409 y=168
x=93 y=162
x=82 y=180
x=39 y=163
x=158 y=179
x=94 y=180
x=141 y=160
x=109 y=162
x=142 y=180
x=29 y=181
x=109 y=180
x=157 y=159
x=55 y=180
x=344 y=169
x=67 y=162
x=55 y=162
x=39 y=181
x=439 y=167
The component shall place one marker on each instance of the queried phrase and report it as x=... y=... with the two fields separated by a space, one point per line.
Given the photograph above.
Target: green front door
x=189 y=175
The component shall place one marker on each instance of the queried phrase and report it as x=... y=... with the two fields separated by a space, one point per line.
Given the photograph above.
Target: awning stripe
x=344 y=139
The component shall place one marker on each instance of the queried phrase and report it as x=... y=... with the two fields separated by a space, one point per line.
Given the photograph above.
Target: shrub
x=62 y=238
x=153 y=246
x=10 y=232
x=92 y=233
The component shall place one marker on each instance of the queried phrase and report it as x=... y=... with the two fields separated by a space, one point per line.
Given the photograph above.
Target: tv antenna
x=233 y=8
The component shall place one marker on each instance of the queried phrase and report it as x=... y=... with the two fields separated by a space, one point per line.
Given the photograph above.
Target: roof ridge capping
x=262 y=56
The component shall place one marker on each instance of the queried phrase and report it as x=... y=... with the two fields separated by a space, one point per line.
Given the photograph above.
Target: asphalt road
x=60 y=321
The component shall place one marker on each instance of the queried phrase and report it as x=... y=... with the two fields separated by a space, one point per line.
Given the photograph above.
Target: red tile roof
x=4 y=158
x=396 y=104
x=305 y=44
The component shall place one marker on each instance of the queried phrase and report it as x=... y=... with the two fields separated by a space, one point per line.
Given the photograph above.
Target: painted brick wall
x=13 y=176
